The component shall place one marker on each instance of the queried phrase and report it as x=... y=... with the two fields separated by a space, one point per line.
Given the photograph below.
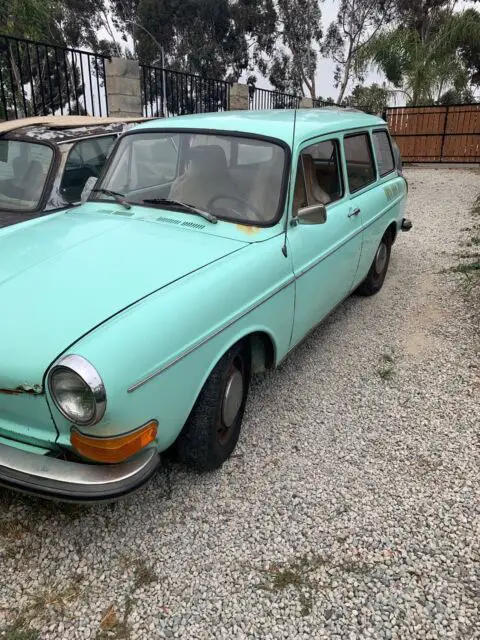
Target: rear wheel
x=213 y=427
x=378 y=270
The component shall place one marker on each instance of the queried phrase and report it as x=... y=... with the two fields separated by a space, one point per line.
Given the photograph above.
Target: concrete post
x=123 y=88
x=238 y=97
x=306 y=103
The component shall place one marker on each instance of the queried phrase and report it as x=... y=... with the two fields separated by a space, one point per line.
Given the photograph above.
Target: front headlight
x=77 y=390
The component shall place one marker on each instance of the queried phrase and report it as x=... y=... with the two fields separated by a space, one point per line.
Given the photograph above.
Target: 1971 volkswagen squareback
x=210 y=247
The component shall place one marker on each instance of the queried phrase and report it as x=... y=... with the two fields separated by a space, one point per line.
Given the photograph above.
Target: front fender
x=154 y=358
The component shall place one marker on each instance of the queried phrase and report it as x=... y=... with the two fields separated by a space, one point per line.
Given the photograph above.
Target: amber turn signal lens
x=115 y=449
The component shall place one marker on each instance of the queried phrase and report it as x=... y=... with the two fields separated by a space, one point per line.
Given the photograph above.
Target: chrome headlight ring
x=89 y=376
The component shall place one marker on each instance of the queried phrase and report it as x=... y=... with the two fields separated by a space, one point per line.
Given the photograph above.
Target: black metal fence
x=324 y=103
x=44 y=79
x=270 y=99
x=173 y=93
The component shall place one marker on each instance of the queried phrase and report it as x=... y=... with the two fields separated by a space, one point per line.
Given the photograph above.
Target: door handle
x=355 y=212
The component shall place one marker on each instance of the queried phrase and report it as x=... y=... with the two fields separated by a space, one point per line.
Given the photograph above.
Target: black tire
x=206 y=440
x=376 y=277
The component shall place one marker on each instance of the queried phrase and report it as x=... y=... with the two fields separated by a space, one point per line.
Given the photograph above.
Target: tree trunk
x=345 y=79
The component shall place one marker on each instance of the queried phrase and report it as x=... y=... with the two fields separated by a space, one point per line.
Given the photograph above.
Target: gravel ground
x=350 y=510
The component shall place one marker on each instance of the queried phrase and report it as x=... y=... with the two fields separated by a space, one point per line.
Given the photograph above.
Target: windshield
x=232 y=177
x=24 y=168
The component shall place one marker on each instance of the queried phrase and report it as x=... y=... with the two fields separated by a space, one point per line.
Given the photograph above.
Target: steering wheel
x=245 y=205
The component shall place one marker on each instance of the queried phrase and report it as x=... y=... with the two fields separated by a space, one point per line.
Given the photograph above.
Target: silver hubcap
x=381 y=258
x=232 y=399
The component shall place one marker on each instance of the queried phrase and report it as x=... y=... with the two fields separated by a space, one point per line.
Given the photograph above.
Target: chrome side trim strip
x=210 y=336
x=328 y=254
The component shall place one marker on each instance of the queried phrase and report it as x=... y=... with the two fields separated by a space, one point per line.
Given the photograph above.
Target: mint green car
x=210 y=247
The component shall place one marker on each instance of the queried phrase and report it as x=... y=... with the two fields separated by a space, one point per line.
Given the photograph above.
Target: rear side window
x=359 y=160
x=383 y=152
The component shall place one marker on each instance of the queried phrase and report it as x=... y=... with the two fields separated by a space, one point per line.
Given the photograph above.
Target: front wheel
x=213 y=427
x=378 y=270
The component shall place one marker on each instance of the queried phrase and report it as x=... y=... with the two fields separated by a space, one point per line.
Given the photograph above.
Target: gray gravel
x=351 y=509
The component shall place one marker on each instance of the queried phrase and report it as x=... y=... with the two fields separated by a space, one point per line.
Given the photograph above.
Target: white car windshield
x=231 y=177
x=24 y=168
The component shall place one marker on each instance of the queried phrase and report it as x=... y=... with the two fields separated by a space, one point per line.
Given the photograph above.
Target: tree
x=372 y=99
x=425 y=54
x=470 y=49
x=357 y=23
x=214 y=38
x=294 y=63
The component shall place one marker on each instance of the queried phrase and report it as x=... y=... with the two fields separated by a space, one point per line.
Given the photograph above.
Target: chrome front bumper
x=73 y=481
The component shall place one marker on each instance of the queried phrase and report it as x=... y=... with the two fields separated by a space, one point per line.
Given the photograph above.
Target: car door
x=85 y=160
x=380 y=202
x=325 y=256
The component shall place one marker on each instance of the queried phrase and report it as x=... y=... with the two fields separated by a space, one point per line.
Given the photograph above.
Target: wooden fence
x=436 y=134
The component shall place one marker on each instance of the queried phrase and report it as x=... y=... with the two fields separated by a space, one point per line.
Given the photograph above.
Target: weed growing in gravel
x=386 y=369
x=476 y=206
x=466 y=268
x=19 y=631
x=113 y=628
x=297 y=575
x=144 y=575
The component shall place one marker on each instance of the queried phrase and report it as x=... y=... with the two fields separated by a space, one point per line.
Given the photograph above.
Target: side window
x=85 y=160
x=383 y=152
x=359 y=160
x=319 y=175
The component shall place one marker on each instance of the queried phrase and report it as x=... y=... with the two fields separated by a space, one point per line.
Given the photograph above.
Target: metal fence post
x=444 y=132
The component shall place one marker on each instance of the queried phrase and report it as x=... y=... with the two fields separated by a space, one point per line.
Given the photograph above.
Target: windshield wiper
x=119 y=197
x=183 y=205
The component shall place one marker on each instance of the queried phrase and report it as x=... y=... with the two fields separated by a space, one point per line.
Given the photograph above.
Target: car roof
x=275 y=123
x=63 y=128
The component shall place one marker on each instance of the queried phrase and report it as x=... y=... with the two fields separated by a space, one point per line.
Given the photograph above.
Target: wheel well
x=262 y=350
x=393 y=231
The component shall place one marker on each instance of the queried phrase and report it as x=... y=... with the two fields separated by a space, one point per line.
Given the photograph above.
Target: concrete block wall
x=123 y=88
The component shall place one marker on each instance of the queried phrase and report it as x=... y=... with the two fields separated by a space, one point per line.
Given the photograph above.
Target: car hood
x=64 y=274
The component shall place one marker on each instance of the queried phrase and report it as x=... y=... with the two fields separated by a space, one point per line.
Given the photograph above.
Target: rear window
x=383 y=152
x=359 y=160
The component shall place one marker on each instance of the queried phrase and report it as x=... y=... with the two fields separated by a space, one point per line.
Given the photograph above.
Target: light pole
x=162 y=63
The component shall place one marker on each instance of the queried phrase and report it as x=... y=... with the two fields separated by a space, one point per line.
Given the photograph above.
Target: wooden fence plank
x=436 y=133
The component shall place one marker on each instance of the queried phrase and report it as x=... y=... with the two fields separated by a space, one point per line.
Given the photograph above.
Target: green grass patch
x=466 y=268
x=386 y=369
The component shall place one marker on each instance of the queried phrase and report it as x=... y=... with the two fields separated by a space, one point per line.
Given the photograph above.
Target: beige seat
x=207 y=177
x=266 y=186
x=316 y=195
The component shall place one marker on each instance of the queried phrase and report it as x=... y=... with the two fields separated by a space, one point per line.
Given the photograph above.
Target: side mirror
x=87 y=188
x=314 y=214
